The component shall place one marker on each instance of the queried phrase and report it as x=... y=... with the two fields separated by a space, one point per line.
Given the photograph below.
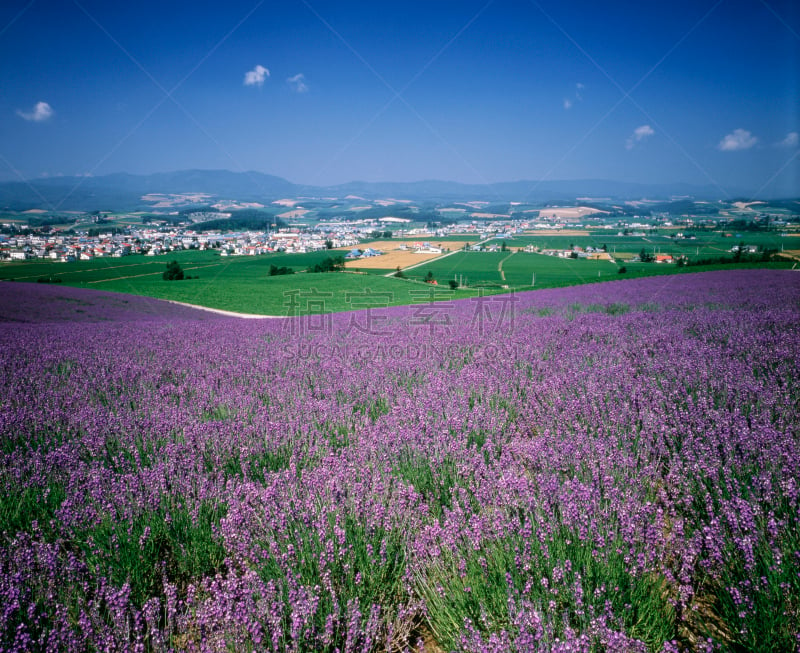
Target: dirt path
x=500 y=266
x=248 y=316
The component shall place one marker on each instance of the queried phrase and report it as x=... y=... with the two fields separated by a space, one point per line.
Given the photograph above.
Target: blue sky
x=325 y=92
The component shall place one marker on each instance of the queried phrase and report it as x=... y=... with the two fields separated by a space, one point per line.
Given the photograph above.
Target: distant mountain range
x=121 y=191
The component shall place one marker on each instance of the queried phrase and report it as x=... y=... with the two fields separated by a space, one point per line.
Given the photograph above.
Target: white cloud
x=738 y=139
x=791 y=140
x=41 y=112
x=298 y=83
x=638 y=135
x=256 y=76
x=569 y=102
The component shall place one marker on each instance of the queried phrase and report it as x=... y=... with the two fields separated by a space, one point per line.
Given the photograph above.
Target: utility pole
x=533 y=279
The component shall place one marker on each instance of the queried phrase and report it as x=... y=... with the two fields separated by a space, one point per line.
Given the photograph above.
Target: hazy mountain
x=124 y=191
x=121 y=191
x=522 y=191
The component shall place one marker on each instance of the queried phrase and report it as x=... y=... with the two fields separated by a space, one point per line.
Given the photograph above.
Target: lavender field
x=610 y=467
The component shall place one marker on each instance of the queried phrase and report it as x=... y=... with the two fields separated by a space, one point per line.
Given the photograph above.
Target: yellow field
x=395 y=257
x=390 y=261
x=793 y=253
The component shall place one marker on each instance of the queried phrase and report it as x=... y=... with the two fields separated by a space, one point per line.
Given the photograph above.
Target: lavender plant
x=611 y=467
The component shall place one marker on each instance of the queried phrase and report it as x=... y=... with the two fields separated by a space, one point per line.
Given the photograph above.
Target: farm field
x=553 y=271
x=107 y=268
x=476 y=267
x=243 y=284
x=557 y=232
x=394 y=257
x=608 y=467
x=289 y=294
x=480 y=269
x=704 y=245
x=239 y=284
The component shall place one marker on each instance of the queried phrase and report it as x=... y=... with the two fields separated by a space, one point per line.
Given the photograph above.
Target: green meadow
x=240 y=284
x=703 y=245
x=243 y=283
x=522 y=270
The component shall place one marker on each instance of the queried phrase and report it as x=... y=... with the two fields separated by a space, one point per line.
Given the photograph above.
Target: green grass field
x=522 y=269
x=474 y=267
x=240 y=284
x=550 y=271
x=296 y=294
x=243 y=284
x=705 y=244
x=563 y=242
x=519 y=269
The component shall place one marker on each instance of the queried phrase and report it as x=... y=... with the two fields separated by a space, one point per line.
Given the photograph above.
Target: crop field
x=553 y=271
x=518 y=269
x=704 y=245
x=391 y=260
x=521 y=268
x=243 y=283
x=608 y=467
x=395 y=257
x=563 y=241
x=475 y=267
x=239 y=284
x=106 y=269
x=292 y=294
